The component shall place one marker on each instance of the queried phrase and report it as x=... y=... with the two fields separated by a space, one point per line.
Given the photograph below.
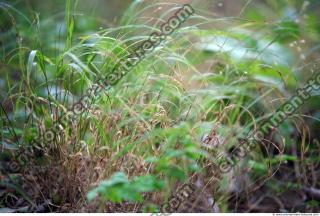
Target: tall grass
x=214 y=74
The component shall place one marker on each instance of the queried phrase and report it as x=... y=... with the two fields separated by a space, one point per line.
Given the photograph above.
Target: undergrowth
x=138 y=140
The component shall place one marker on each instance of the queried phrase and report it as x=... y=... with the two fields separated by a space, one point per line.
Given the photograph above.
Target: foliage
x=217 y=74
x=118 y=188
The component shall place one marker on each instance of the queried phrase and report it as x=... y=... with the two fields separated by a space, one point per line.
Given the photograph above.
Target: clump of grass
x=150 y=125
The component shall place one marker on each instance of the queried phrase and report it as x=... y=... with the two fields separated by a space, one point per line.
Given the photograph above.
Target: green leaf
x=287 y=31
x=175 y=172
x=147 y=183
x=92 y=194
x=117 y=178
x=171 y=153
x=151 y=160
x=105 y=187
x=258 y=167
x=119 y=188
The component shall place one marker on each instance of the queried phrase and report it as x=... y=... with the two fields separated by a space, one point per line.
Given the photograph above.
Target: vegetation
x=170 y=120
